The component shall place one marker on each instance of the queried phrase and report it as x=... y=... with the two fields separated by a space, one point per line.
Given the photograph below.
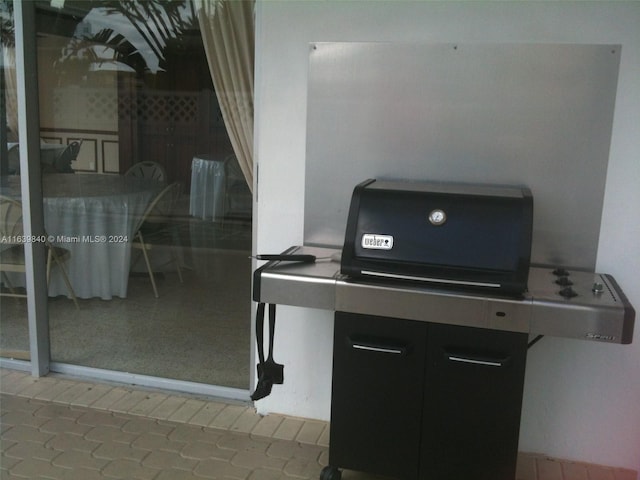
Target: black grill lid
x=457 y=235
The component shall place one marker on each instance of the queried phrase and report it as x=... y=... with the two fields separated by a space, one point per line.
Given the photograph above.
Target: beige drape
x=227 y=28
x=11 y=95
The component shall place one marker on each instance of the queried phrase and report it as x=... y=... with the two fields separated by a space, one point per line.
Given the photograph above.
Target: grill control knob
x=597 y=287
x=564 y=281
x=561 y=272
x=568 y=292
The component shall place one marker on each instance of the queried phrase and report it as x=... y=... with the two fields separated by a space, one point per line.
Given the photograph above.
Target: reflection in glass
x=127 y=85
x=14 y=338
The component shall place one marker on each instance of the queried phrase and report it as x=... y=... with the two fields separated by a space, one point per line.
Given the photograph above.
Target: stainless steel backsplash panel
x=538 y=115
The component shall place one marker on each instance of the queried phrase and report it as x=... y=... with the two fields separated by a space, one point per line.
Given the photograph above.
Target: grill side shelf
x=629 y=315
x=605 y=317
x=310 y=285
x=257 y=274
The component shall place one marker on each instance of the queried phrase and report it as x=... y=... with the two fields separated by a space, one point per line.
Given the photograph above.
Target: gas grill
x=474 y=236
x=436 y=304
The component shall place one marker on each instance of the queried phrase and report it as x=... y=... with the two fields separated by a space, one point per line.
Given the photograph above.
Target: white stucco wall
x=582 y=399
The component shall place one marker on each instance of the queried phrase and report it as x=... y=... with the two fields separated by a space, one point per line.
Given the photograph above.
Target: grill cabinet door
x=473 y=399
x=376 y=403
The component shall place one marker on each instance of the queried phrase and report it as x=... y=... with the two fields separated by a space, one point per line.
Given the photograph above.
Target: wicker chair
x=148 y=169
x=156 y=229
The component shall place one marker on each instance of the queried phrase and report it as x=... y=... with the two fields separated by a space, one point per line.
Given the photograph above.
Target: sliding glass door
x=14 y=330
x=144 y=194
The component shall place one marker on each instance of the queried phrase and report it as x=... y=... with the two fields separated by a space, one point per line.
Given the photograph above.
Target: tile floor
x=57 y=428
x=196 y=331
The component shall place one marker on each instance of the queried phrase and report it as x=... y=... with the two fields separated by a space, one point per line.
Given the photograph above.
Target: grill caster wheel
x=330 y=473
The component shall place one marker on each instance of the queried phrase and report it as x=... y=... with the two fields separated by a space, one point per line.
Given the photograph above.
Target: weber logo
x=373 y=241
x=597 y=336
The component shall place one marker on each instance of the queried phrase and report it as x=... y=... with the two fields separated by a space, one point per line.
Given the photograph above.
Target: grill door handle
x=481 y=360
x=377 y=347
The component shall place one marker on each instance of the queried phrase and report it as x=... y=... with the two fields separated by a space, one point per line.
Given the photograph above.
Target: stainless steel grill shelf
x=602 y=315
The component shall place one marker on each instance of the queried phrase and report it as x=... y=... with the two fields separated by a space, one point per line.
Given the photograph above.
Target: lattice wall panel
x=84 y=108
x=161 y=108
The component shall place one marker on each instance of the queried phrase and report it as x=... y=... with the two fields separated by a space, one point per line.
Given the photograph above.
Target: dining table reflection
x=94 y=217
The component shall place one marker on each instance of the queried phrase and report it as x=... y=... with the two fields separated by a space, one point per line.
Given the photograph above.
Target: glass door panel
x=14 y=330
x=153 y=177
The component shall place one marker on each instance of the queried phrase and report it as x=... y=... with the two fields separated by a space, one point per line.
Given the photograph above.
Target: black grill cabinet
x=425 y=400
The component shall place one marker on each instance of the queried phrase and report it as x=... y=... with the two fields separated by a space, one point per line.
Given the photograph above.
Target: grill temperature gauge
x=437 y=217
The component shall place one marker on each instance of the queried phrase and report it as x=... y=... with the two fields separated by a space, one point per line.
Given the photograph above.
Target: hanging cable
x=534 y=341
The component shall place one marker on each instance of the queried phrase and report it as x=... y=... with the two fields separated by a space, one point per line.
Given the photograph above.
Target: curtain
x=227 y=28
x=11 y=95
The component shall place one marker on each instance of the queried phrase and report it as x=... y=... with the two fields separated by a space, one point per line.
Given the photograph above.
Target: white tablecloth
x=207 y=187
x=94 y=217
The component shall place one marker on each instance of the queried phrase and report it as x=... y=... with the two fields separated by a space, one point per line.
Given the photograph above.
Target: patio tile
x=129 y=469
x=187 y=410
x=135 y=434
x=35 y=450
